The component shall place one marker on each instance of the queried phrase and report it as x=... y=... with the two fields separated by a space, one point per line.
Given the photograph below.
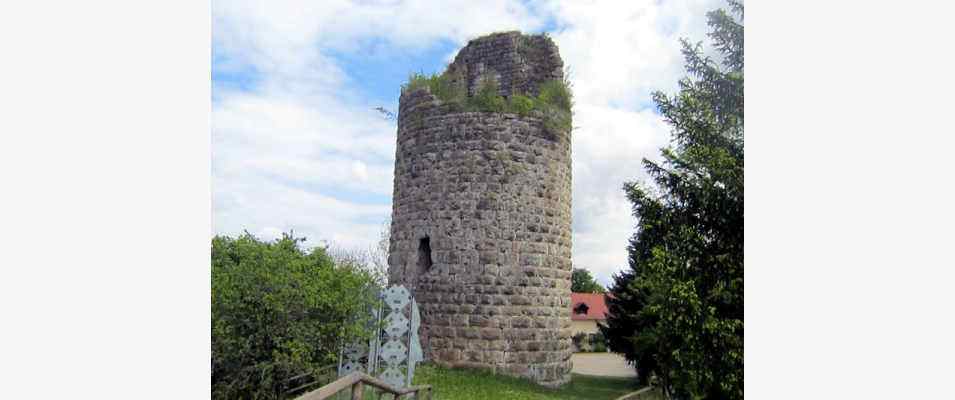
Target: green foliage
x=582 y=282
x=472 y=384
x=553 y=103
x=486 y=97
x=417 y=81
x=278 y=311
x=590 y=342
x=579 y=340
x=521 y=105
x=556 y=93
x=556 y=120
x=678 y=311
x=599 y=342
x=445 y=87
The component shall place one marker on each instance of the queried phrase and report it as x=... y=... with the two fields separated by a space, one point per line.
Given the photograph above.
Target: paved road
x=602 y=364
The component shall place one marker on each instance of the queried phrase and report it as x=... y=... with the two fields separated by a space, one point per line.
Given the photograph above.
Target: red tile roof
x=596 y=306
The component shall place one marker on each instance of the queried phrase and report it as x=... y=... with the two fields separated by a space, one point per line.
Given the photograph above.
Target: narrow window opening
x=424 y=255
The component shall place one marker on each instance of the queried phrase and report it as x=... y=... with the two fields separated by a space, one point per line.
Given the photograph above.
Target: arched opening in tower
x=424 y=255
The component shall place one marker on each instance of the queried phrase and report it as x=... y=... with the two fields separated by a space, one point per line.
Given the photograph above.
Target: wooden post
x=358 y=390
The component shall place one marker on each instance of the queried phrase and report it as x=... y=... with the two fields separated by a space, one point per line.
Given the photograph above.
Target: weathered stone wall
x=519 y=62
x=481 y=233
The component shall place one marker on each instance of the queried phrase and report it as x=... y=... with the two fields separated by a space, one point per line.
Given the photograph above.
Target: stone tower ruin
x=481 y=220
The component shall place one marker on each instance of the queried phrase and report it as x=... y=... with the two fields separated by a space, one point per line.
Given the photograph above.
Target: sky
x=298 y=146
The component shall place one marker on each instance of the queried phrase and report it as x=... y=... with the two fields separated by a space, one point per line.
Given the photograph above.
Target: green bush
x=578 y=339
x=486 y=97
x=446 y=87
x=278 y=311
x=556 y=93
x=521 y=105
x=416 y=81
x=599 y=343
x=553 y=103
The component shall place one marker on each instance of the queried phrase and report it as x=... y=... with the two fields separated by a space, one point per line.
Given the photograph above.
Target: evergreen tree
x=678 y=311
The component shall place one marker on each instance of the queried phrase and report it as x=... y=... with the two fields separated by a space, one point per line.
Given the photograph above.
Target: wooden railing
x=645 y=393
x=357 y=381
x=307 y=380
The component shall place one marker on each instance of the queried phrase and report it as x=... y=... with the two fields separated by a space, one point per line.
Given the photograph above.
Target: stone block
x=491 y=333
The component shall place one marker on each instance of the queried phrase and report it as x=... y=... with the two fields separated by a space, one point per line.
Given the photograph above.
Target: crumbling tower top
x=519 y=63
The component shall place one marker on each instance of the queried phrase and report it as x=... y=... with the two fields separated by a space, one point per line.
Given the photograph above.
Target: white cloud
x=359 y=171
x=272 y=28
x=264 y=207
x=270 y=233
x=608 y=150
x=618 y=53
x=283 y=151
x=276 y=158
x=279 y=149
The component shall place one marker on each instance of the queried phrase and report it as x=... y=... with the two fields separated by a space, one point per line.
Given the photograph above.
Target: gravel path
x=601 y=364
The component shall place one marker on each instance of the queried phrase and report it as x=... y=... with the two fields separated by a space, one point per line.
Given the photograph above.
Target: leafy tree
x=582 y=282
x=677 y=313
x=278 y=311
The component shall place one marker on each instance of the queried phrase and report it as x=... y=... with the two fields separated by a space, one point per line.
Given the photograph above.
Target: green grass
x=472 y=384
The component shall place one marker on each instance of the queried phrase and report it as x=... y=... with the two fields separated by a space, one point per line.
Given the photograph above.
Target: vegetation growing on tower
x=553 y=103
x=462 y=148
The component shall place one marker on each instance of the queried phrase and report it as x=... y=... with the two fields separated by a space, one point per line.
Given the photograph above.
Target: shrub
x=447 y=87
x=416 y=81
x=556 y=93
x=553 y=103
x=486 y=97
x=278 y=311
x=521 y=105
x=599 y=342
x=578 y=339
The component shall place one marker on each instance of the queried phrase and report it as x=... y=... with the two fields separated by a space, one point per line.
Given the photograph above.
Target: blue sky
x=298 y=146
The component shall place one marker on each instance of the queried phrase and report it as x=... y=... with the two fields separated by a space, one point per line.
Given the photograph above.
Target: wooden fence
x=357 y=381
x=300 y=383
